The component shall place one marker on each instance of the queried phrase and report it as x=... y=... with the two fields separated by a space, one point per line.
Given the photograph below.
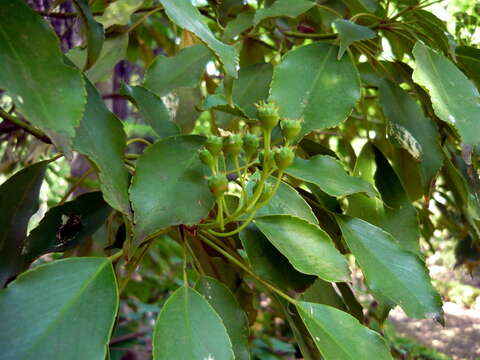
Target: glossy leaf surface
x=73 y=315
x=198 y=330
x=24 y=76
x=310 y=83
x=308 y=248
x=283 y=8
x=350 y=32
x=169 y=187
x=340 y=336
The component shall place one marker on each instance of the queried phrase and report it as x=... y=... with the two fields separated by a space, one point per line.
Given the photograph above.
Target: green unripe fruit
x=206 y=157
x=218 y=184
x=290 y=129
x=284 y=157
x=232 y=145
x=214 y=144
x=250 y=144
x=267 y=113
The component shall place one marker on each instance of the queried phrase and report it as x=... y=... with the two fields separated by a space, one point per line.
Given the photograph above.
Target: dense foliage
x=252 y=171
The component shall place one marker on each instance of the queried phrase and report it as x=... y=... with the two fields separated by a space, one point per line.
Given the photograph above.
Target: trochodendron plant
x=283 y=145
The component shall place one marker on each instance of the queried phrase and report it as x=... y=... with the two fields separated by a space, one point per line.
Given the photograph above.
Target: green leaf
x=252 y=85
x=391 y=271
x=349 y=32
x=469 y=60
x=189 y=99
x=323 y=292
x=185 y=15
x=168 y=73
x=455 y=99
x=169 y=187
x=63 y=310
x=412 y=129
x=18 y=202
x=286 y=201
x=330 y=176
x=152 y=109
x=310 y=83
x=238 y=25
x=65 y=226
x=198 y=330
x=93 y=30
x=234 y=318
x=340 y=336
x=114 y=49
x=119 y=12
x=269 y=263
x=283 y=8
x=308 y=248
x=101 y=139
x=220 y=103
x=25 y=76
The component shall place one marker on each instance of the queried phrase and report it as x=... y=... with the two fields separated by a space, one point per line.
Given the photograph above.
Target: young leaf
x=454 y=97
x=339 y=336
x=24 y=75
x=185 y=15
x=308 y=248
x=119 y=12
x=63 y=310
x=285 y=8
x=349 y=32
x=404 y=114
x=93 y=30
x=169 y=187
x=65 y=226
x=101 y=138
x=390 y=270
x=269 y=263
x=153 y=110
x=227 y=307
x=198 y=330
x=168 y=73
x=18 y=202
x=330 y=176
x=310 y=83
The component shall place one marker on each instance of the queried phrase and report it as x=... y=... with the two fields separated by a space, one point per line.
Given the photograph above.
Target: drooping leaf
x=429 y=28
x=185 y=15
x=169 y=187
x=24 y=74
x=65 y=226
x=286 y=201
x=269 y=263
x=323 y=292
x=469 y=59
x=310 y=83
x=235 y=27
x=340 y=336
x=93 y=30
x=454 y=98
x=219 y=102
x=198 y=330
x=283 y=8
x=101 y=139
x=349 y=32
x=227 y=307
x=188 y=99
x=18 y=202
x=63 y=310
x=308 y=248
x=114 y=49
x=391 y=271
x=168 y=73
x=394 y=213
x=119 y=12
x=153 y=110
x=405 y=114
x=330 y=176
